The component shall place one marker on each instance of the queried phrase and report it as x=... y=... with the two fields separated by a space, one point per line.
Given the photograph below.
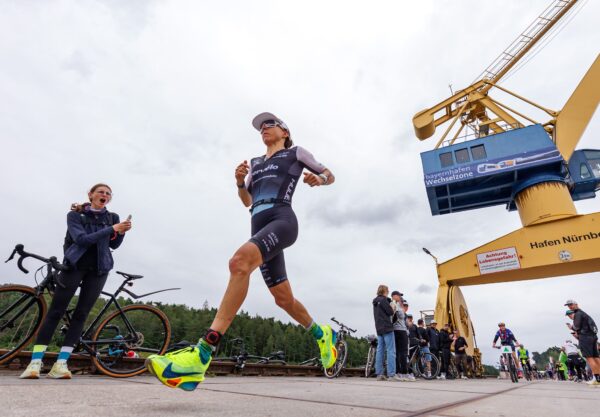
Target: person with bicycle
x=524 y=358
x=413 y=341
x=423 y=335
x=507 y=338
x=92 y=231
x=266 y=185
x=434 y=340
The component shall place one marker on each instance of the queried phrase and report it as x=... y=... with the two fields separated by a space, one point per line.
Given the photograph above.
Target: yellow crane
x=514 y=160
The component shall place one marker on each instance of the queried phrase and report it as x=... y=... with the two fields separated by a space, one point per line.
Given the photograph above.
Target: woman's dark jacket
x=383 y=312
x=87 y=229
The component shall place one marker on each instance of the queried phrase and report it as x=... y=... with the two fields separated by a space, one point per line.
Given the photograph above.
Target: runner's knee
x=286 y=302
x=240 y=265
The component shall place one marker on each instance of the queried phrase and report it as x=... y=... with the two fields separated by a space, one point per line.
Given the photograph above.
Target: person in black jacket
x=434 y=339
x=585 y=330
x=413 y=340
x=460 y=354
x=445 y=344
x=424 y=344
x=383 y=313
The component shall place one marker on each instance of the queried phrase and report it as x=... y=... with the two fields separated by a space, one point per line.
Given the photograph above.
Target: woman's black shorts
x=273 y=230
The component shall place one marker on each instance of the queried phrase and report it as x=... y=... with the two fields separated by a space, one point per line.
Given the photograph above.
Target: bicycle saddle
x=129 y=277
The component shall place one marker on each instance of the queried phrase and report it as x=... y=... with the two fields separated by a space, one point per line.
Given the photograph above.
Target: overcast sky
x=156 y=99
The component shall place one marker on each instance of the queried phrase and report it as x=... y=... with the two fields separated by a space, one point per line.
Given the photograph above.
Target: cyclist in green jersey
x=524 y=357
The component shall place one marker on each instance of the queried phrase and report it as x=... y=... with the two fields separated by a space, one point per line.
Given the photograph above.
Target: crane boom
x=525 y=41
x=472 y=103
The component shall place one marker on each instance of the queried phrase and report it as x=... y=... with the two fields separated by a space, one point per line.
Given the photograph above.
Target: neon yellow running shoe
x=327 y=347
x=183 y=368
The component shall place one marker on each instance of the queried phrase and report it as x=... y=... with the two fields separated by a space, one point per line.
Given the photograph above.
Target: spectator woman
x=400 y=335
x=383 y=313
x=92 y=231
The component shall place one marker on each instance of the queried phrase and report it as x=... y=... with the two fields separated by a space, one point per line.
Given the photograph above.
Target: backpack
x=87 y=220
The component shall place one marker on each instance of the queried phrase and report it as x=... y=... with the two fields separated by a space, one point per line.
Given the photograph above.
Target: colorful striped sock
x=65 y=353
x=38 y=352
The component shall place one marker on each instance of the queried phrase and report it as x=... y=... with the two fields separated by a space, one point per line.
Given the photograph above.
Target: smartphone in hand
x=128 y=218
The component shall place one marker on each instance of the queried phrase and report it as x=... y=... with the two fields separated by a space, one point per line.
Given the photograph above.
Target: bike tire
x=154 y=338
x=342 y=356
x=513 y=370
x=420 y=367
x=370 y=362
x=20 y=306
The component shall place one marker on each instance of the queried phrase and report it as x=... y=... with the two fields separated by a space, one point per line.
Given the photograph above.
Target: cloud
x=424 y=289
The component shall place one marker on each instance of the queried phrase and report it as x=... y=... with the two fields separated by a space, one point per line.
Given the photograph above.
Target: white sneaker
x=381 y=378
x=404 y=377
x=32 y=371
x=593 y=382
x=428 y=374
x=397 y=378
x=411 y=378
x=463 y=377
x=443 y=376
x=59 y=371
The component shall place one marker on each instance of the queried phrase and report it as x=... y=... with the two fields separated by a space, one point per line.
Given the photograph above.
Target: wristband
x=240 y=186
x=325 y=178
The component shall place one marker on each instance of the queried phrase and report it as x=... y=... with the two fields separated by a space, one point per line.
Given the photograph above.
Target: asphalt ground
x=86 y=395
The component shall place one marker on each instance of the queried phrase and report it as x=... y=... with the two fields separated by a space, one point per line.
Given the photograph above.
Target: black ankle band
x=212 y=337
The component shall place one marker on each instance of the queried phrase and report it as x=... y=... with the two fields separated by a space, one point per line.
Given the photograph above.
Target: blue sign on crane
x=491 y=170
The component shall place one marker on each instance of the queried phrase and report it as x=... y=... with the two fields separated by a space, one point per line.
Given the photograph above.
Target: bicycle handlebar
x=20 y=250
x=343 y=326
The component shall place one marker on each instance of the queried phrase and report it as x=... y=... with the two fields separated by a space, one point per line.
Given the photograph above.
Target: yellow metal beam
x=562 y=247
x=577 y=112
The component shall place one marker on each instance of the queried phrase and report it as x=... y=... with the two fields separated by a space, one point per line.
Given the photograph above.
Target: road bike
x=421 y=365
x=509 y=360
x=342 y=349
x=243 y=356
x=116 y=338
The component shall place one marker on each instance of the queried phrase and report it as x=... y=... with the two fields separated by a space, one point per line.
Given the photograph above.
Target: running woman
x=266 y=185
x=91 y=234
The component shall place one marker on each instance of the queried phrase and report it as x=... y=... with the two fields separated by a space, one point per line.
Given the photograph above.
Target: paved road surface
x=293 y=397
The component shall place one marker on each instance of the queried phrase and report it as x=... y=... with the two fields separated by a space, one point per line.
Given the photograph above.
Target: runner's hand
x=241 y=171
x=312 y=179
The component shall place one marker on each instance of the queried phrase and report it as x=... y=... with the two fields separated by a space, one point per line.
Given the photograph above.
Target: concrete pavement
x=292 y=397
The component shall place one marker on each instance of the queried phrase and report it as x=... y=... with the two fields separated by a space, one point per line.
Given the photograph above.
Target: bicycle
x=243 y=357
x=525 y=365
x=419 y=363
x=370 y=365
x=342 y=350
x=113 y=340
x=510 y=361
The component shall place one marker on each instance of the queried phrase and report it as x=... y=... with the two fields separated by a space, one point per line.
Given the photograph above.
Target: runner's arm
x=319 y=174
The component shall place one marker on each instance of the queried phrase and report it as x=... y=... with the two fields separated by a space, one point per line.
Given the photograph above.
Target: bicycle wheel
x=370 y=362
x=420 y=367
x=342 y=356
x=125 y=338
x=21 y=315
x=512 y=368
